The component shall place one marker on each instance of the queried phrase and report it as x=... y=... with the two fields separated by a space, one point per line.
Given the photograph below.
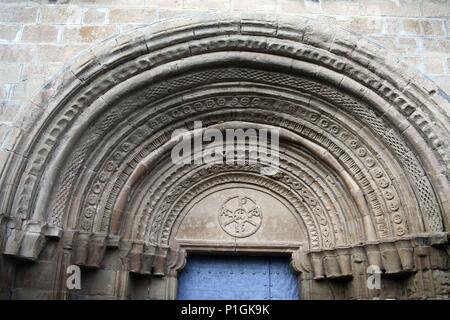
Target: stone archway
x=364 y=157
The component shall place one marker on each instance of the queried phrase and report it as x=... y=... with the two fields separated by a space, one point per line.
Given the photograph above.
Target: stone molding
x=398 y=257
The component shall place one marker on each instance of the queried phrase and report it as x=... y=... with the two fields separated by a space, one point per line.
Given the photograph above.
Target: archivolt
x=381 y=124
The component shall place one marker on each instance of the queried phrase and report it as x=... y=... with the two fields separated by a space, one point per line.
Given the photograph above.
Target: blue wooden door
x=237 y=278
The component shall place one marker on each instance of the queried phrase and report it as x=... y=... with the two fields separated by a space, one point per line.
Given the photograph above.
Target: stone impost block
x=97 y=247
x=317 y=265
x=300 y=262
x=332 y=269
x=344 y=261
x=25 y=244
x=390 y=258
x=149 y=259
x=89 y=249
x=13 y=241
x=32 y=244
x=136 y=257
x=160 y=262
x=406 y=254
x=393 y=257
x=159 y=265
x=373 y=255
x=146 y=263
x=53 y=232
x=81 y=249
x=113 y=241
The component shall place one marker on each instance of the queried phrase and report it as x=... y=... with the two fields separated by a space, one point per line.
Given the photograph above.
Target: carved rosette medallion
x=240 y=216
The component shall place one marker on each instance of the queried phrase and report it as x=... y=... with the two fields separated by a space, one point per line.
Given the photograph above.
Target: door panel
x=237 y=278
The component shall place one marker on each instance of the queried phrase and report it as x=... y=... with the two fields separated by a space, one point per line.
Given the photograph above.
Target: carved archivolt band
x=352 y=118
x=321 y=154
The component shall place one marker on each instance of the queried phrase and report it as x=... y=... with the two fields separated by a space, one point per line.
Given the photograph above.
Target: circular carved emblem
x=240 y=216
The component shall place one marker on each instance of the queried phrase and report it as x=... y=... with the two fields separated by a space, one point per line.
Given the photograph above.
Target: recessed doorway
x=207 y=277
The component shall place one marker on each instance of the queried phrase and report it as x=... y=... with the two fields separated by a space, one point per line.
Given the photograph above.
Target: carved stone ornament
x=364 y=158
x=240 y=216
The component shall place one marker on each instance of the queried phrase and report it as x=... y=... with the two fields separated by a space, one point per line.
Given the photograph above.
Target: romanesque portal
x=363 y=179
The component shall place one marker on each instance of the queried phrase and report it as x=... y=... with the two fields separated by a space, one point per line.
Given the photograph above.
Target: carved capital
x=149 y=259
x=25 y=244
x=394 y=257
x=300 y=261
x=89 y=249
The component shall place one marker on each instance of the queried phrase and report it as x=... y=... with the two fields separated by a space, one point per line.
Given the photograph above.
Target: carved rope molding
x=358 y=69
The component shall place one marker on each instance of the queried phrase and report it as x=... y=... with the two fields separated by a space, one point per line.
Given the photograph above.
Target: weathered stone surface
x=87 y=176
x=390 y=8
x=135 y=15
x=23 y=53
x=18 y=14
x=87 y=33
x=61 y=14
x=435 y=8
x=41 y=34
x=9 y=32
x=424 y=27
x=94 y=15
x=435 y=65
x=210 y=4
